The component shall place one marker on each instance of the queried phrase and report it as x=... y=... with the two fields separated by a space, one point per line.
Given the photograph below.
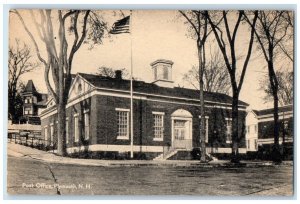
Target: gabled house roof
x=151 y=88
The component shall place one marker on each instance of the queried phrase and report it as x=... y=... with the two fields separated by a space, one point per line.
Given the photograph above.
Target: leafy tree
x=19 y=63
x=226 y=40
x=61 y=34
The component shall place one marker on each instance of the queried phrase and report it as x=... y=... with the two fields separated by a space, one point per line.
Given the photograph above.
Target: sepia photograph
x=150 y=102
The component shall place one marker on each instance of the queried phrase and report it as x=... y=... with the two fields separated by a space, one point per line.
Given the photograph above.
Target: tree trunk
x=201 y=97
x=235 y=128
x=61 y=117
x=276 y=153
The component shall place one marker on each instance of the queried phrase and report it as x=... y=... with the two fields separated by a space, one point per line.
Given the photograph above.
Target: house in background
x=165 y=118
x=33 y=104
x=260 y=127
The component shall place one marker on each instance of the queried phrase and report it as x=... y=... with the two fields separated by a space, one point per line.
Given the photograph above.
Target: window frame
x=46 y=133
x=228 y=121
x=127 y=111
x=51 y=133
x=67 y=130
x=155 y=138
x=86 y=126
x=76 y=127
x=205 y=127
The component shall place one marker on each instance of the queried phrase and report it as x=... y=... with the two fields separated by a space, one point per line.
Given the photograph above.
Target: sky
x=155 y=35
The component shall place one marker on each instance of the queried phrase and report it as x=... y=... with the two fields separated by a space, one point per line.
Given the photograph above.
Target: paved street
x=28 y=175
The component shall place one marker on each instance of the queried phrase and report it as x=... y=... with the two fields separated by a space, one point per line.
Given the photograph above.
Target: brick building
x=260 y=127
x=164 y=116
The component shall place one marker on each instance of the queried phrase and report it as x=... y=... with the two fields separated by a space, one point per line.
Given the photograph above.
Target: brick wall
x=103 y=122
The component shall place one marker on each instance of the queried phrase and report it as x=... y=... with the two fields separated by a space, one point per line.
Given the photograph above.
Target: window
x=179 y=129
x=228 y=129
x=86 y=125
x=122 y=123
x=165 y=73
x=51 y=133
x=155 y=73
x=248 y=129
x=248 y=144
x=76 y=132
x=255 y=128
x=158 y=127
x=67 y=130
x=27 y=111
x=79 y=88
x=205 y=127
x=28 y=100
x=46 y=134
x=255 y=143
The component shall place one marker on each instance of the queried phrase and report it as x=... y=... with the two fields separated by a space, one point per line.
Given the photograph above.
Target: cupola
x=162 y=73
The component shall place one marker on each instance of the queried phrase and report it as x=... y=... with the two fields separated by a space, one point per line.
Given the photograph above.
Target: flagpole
x=131 y=88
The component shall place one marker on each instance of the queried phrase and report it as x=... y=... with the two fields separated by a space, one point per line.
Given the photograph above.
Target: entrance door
x=182 y=134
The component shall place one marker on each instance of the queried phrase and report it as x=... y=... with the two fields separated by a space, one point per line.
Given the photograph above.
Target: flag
x=121 y=26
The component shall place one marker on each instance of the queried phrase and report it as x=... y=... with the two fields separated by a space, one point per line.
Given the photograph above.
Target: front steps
x=180 y=154
x=166 y=155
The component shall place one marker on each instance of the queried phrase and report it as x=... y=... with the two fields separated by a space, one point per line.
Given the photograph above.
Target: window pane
x=158 y=126
x=122 y=122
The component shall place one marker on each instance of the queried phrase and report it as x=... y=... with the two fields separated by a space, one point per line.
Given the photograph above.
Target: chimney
x=162 y=73
x=118 y=74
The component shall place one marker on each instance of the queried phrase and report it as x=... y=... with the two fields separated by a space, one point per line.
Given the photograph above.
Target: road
x=30 y=176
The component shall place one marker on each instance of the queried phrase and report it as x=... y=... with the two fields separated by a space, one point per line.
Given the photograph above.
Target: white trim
x=126 y=137
x=272 y=118
x=206 y=117
x=94 y=92
x=75 y=115
x=190 y=127
x=286 y=114
x=86 y=111
x=224 y=150
x=122 y=137
x=158 y=113
x=230 y=119
x=122 y=109
x=117 y=148
x=158 y=139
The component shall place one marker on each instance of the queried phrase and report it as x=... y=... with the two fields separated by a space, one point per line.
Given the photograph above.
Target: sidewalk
x=17 y=150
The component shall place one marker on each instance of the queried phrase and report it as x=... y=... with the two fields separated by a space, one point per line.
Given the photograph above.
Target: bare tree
x=199 y=29
x=19 y=63
x=110 y=72
x=61 y=33
x=285 y=87
x=287 y=45
x=272 y=29
x=216 y=78
x=228 y=49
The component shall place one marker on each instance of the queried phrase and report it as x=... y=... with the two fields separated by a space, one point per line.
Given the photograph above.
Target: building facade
x=164 y=116
x=33 y=104
x=260 y=127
